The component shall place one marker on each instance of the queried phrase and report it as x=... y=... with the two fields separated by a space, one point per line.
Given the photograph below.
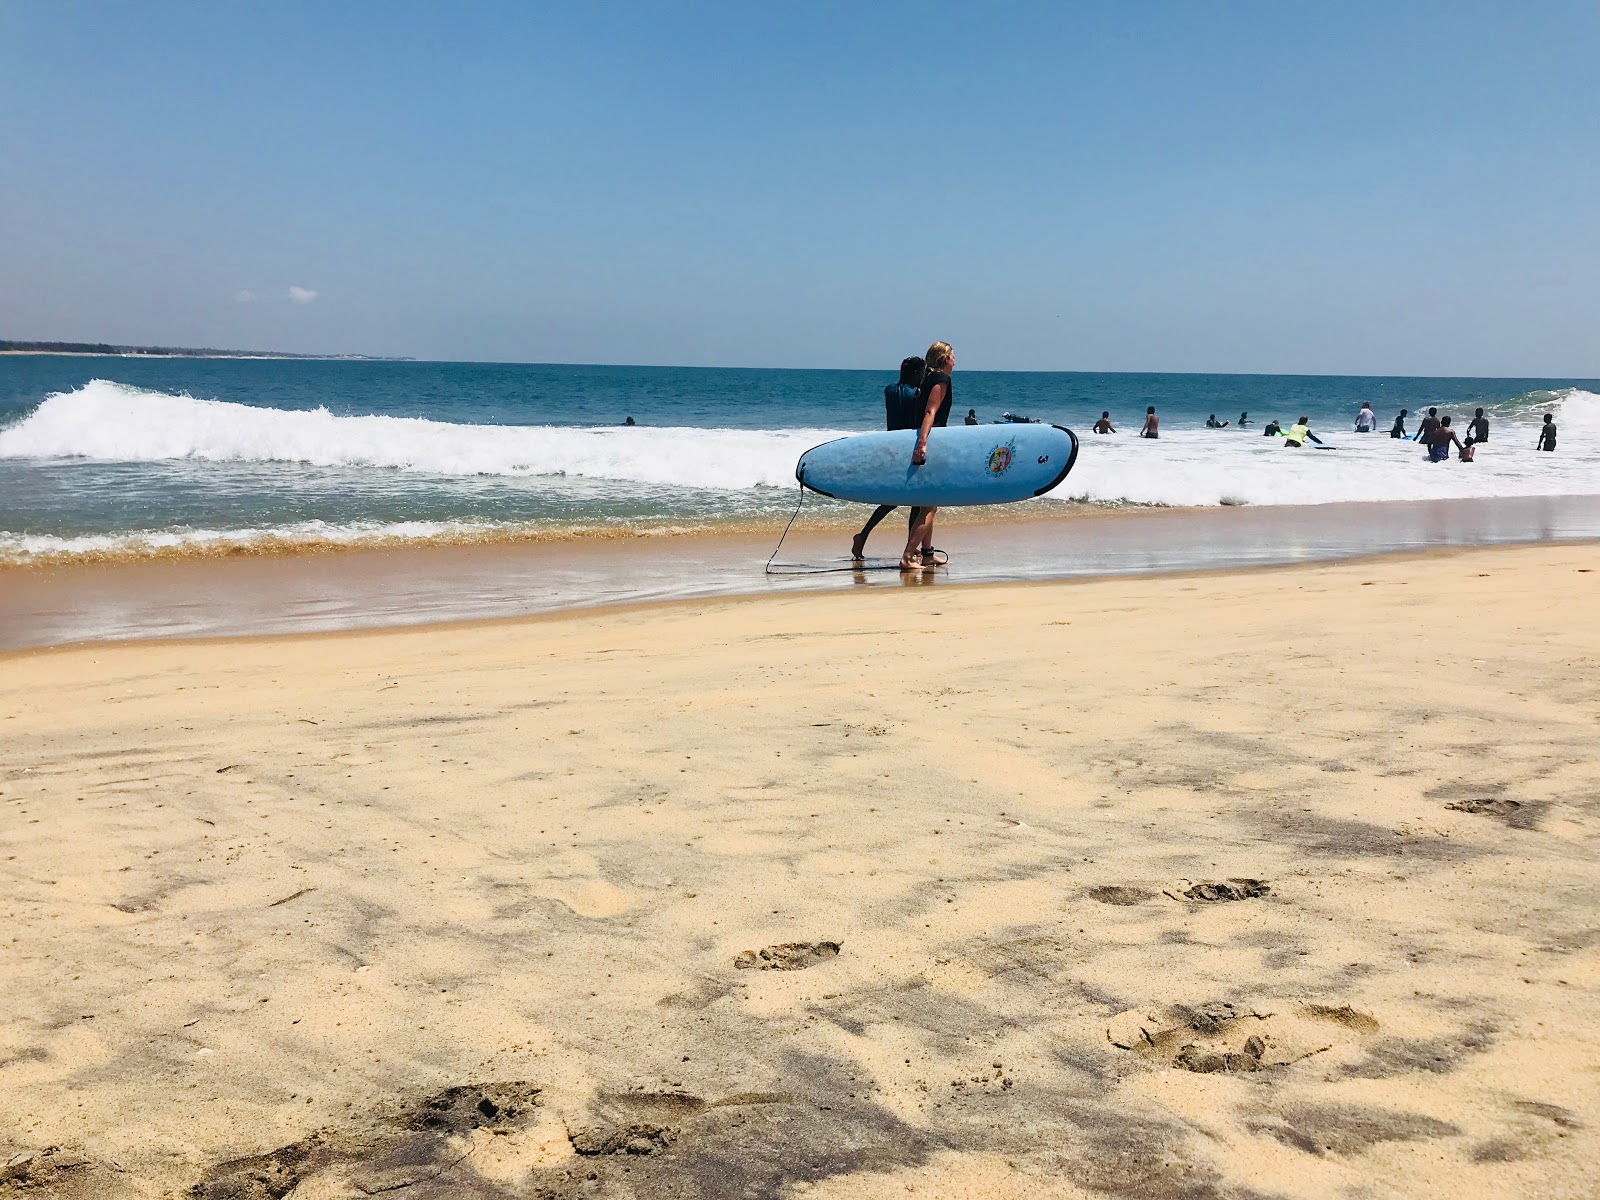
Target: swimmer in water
x=1443 y=438
x=1547 y=433
x=1152 y=423
x=1104 y=425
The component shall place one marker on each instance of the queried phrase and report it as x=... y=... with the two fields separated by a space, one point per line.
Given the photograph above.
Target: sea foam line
x=113 y=422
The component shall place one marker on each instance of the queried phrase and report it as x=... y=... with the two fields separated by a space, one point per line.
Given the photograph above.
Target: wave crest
x=113 y=422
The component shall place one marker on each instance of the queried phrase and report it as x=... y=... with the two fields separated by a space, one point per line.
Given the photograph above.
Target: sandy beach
x=1244 y=884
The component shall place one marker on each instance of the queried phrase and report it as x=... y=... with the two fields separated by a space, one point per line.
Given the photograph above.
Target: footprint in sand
x=1226 y=1038
x=389 y=1153
x=1120 y=895
x=1230 y=889
x=787 y=956
x=635 y=1123
x=589 y=897
x=1494 y=808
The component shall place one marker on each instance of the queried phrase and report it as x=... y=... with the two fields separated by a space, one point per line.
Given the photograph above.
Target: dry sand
x=461 y=911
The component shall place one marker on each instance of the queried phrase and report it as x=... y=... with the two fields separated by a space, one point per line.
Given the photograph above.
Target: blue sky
x=1343 y=188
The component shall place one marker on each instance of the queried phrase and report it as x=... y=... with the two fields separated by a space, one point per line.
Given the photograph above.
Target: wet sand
x=1221 y=885
x=352 y=589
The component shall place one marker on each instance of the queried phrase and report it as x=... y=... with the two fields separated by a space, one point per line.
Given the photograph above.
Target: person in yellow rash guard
x=1297 y=434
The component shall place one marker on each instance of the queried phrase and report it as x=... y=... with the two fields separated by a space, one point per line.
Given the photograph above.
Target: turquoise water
x=135 y=456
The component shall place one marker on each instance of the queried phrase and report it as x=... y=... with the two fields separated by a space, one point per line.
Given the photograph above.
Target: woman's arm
x=935 y=395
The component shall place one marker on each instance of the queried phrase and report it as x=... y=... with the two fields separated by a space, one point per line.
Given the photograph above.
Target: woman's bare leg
x=920 y=533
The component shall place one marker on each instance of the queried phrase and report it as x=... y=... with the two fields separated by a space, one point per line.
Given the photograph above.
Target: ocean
x=135 y=457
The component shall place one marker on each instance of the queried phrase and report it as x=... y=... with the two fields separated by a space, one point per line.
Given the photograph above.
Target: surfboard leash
x=800 y=503
x=778 y=568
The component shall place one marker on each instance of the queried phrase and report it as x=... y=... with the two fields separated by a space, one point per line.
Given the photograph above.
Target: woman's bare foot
x=858 y=547
x=911 y=564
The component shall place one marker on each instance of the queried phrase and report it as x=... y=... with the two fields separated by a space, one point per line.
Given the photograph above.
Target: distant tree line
x=180 y=351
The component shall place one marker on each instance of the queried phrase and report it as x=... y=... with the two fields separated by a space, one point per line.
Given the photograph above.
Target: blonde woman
x=936 y=396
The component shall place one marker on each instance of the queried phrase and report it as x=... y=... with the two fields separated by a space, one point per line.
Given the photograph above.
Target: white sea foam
x=1206 y=467
x=112 y=422
x=115 y=423
x=298 y=536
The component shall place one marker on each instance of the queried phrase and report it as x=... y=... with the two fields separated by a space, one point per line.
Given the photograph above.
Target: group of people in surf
x=920 y=399
x=1436 y=434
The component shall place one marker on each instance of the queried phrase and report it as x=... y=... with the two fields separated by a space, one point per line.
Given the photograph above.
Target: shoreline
x=364 y=588
x=476 y=907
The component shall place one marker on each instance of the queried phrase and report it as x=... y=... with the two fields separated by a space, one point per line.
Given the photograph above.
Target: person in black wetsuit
x=972 y=416
x=1244 y=420
x=1399 y=430
x=900 y=411
x=1478 y=428
x=1272 y=429
x=936 y=396
x=1547 y=433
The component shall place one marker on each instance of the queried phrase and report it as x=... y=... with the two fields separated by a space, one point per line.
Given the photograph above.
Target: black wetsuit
x=1399 y=430
x=1547 y=436
x=1271 y=430
x=902 y=409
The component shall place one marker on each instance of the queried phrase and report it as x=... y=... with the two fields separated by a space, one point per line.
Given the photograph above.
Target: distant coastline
x=106 y=350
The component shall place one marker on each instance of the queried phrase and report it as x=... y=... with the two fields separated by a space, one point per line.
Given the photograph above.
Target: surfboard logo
x=1000 y=458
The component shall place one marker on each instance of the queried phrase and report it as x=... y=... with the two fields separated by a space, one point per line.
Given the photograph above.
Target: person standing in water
x=1478 y=430
x=972 y=416
x=1104 y=425
x=1366 y=419
x=1152 y=423
x=1429 y=424
x=900 y=411
x=1547 y=433
x=1443 y=438
x=1213 y=423
x=936 y=395
x=1244 y=420
x=1399 y=430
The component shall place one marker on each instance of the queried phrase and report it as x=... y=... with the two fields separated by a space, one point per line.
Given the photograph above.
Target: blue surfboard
x=967 y=464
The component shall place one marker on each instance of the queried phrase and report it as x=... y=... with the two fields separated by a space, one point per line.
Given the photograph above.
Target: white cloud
x=244 y=296
x=300 y=295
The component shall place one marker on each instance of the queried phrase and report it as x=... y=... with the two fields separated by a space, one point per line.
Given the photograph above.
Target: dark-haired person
x=1366 y=419
x=1213 y=423
x=1152 y=423
x=972 y=416
x=899 y=412
x=1478 y=429
x=1243 y=421
x=935 y=396
x=1104 y=425
x=1469 y=449
x=1272 y=428
x=1547 y=432
x=1399 y=430
x=1299 y=434
x=1443 y=438
x=1425 y=430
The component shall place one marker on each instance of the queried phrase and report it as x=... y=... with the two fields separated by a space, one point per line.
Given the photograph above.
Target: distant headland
x=103 y=348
